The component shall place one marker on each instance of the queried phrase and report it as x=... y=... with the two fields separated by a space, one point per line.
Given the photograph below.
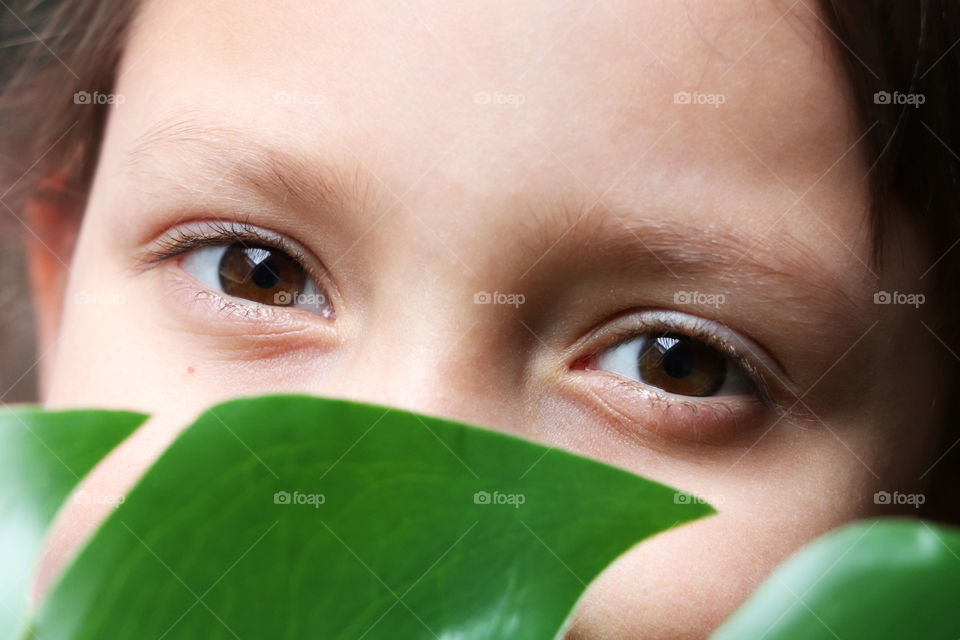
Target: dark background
x=18 y=352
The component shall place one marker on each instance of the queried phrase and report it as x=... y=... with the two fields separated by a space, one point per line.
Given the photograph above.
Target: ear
x=53 y=214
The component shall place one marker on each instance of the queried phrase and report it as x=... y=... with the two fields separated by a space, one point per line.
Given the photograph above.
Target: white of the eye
x=314 y=300
x=622 y=359
x=204 y=265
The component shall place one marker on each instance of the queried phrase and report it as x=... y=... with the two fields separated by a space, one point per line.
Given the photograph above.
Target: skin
x=760 y=199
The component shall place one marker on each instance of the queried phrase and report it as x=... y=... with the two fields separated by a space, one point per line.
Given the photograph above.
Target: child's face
x=417 y=155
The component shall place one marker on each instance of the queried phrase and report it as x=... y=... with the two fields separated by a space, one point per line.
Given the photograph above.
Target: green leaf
x=426 y=528
x=43 y=456
x=881 y=579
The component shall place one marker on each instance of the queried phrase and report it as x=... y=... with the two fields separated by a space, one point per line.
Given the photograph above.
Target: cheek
x=682 y=584
x=783 y=490
x=128 y=344
x=679 y=585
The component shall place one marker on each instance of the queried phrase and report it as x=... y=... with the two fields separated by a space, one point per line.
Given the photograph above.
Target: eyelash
x=214 y=233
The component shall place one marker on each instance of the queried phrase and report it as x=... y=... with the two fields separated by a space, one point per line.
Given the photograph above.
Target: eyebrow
x=614 y=233
x=605 y=231
x=230 y=160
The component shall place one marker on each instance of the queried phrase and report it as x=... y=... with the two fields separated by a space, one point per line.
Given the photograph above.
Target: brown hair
x=911 y=48
x=65 y=48
x=51 y=51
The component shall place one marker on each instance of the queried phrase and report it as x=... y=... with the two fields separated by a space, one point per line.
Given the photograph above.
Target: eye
x=677 y=364
x=258 y=273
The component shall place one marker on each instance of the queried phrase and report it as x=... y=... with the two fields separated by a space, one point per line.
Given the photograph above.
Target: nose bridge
x=440 y=360
x=424 y=342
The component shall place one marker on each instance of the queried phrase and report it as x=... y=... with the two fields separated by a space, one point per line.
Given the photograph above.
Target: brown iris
x=261 y=274
x=681 y=365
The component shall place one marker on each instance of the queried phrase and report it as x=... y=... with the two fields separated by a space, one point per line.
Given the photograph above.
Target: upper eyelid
x=181 y=239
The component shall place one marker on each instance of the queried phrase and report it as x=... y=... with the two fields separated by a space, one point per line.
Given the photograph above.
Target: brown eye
x=261 y=274
x=257 y=273
x=676 y=364
x=680 y=365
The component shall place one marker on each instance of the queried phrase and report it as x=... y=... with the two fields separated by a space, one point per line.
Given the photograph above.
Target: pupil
x=678 y=361
x=264 y=275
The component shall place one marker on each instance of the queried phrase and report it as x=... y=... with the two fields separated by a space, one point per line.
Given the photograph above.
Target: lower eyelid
x=642 y=411
x=193 y=304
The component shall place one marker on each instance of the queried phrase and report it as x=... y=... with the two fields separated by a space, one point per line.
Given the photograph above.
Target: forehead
x=729 y=110
x=601 y=79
